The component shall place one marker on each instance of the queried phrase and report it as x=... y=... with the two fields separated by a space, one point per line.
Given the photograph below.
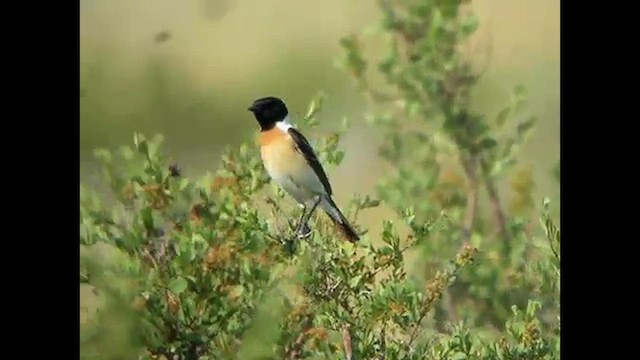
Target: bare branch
x=471 y=171
x=296 y=348
x=499 y=216
x=346 y=340
x=496 y=208
x=471 y=210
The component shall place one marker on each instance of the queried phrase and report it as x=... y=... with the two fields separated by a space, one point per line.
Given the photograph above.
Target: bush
x=209 y=269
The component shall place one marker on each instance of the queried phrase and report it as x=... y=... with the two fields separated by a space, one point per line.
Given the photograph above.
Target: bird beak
x=250 y=108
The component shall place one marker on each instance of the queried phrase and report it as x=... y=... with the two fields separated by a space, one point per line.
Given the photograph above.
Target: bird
x=292 y=164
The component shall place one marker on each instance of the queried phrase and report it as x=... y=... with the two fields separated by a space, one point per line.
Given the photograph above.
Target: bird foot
x=304 y=232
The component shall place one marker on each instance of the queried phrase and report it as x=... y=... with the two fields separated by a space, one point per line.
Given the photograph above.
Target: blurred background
x=189 y=69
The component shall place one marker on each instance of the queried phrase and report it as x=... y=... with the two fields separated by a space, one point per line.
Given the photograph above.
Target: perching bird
x=293 y=165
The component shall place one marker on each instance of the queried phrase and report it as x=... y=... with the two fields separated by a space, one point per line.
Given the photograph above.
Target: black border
x=592 y=300
x=42 y=148
x=42 y=108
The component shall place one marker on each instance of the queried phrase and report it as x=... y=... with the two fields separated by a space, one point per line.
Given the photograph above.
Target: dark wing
x=302 y=145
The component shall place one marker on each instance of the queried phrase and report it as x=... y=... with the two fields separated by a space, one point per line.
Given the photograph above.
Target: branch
x=435 y=289
x=296 y=348
x=496 y=208
x=553 y=249
x=346 y=340
x=471 y=170
x=373 y=95
x=437 y=286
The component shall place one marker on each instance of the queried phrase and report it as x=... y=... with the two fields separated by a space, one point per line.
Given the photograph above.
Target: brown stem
x=450 y=309
x=496 y=208
x=346 y=340
x=471 y=171
x=432 y=297
x=373 y=95
x=499 y=217
x=298 y=344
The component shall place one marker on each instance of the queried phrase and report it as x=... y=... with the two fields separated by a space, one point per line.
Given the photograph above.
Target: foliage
x=209 y=269
x=444 y=154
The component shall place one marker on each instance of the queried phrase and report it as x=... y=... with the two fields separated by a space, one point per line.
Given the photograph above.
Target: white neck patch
x=284 y=125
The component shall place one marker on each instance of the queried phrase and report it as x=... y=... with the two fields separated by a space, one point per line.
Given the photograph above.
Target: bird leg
x=299 y=226
x=306 y=215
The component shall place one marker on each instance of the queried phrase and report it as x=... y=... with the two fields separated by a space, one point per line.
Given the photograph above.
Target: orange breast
x=271 y=136
x=276 y=149
x=287 y=166
x=279 y=154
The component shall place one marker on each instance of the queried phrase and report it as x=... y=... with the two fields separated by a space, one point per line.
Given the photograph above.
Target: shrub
x=209 y=269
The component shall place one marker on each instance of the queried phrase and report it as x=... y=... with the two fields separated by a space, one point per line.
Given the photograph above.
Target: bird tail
x=341 y=222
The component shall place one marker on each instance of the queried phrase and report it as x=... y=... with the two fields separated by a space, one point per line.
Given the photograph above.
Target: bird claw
x=304 y=232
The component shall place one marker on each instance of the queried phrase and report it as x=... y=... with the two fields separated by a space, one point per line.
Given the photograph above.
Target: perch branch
x=296 y=348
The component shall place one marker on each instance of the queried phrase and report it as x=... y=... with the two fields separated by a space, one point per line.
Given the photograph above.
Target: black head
x=268 y=111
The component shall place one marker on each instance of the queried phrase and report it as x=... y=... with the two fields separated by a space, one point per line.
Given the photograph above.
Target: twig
x=452 y=314
x=471 y=170
x=437 y=286
x=555 y=252
x=499 y=216
x=147 y=253
x=373 y=95
x=383 y=343
x=423 y=313
x=496 y=207
x=296 y=347
x=552 y=234
x=346 y=340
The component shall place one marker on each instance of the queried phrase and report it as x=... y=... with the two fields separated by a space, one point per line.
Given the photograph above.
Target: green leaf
x=126 y=153
x=147 y=218
x=103 y=155
x=459 y=356
x=178 y=285
x=532 y=308
x=476 y=127
x=198 y=239
x=414 y=108
x=355 y=280
x=502 y=116
x=154 y=145
x=470 y=25
x=184 y=182
x=339 y=156
x=236 y=291
x=526 y=125
x=140 y=142
x=520 y=91
x=487 y=143
x=316 y=105
x=354 y=60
